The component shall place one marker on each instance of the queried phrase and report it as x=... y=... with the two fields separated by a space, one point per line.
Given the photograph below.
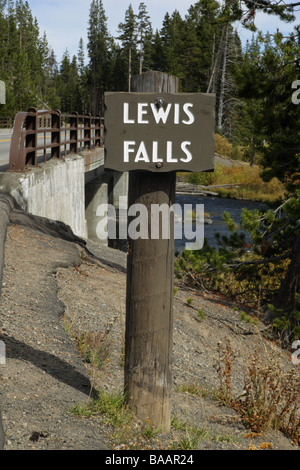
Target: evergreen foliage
x=191 y=48
x=27 y=63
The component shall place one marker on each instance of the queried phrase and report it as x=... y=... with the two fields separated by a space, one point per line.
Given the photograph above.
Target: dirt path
x=50 y=285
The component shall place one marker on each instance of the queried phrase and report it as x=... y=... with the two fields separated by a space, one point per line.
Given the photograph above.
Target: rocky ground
x=52 y=290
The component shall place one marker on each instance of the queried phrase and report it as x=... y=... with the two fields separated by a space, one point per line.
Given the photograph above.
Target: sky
x=66 y=21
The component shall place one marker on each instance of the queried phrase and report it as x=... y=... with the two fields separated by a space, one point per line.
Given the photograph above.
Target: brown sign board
x=159 y=132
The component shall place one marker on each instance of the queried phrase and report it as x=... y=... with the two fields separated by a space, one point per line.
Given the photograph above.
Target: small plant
x=93 y=346
x=224 y=365
x=81 y=410
x=200 y=314
x=288 y=324
x=193 y=388
x=112 y=407
x=248 y=318
x=149 y=431
x=270 y=398
x=189 y=301
x=243 y=315
x=177 y=423
x=191 y=438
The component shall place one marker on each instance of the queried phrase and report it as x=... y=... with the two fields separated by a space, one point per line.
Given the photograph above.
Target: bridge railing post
x=87 y=128
x=31 y=125
x=56 y=134
x=97 y=130
x=74 y=133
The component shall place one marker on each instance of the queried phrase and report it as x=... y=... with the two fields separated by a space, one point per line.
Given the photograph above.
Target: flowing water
x=215 y=207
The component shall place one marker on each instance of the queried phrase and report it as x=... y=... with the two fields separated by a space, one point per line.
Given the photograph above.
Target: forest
x=257 y=114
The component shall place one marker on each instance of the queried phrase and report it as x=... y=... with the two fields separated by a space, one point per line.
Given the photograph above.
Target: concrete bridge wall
x=69 y=190
x=55 y=190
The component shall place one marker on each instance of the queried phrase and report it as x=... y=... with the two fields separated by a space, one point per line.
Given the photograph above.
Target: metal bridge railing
x=38 y=135
x=6 y=122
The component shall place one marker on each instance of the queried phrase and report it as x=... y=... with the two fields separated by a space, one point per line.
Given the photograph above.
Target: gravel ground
x=50 y=287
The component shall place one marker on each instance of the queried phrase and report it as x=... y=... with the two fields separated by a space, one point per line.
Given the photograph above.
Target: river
x=215 y=207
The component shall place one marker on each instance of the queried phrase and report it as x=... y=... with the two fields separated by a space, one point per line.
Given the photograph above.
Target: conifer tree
x=24 y=60
x=203 y=19
x=128 y=35
x=173 y=37
x=98 y=52
x=83 y=79
x=157 y=60
x=144 y=33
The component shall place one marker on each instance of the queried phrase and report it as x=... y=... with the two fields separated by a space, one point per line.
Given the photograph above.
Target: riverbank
x=231 y=179
x=56 y=295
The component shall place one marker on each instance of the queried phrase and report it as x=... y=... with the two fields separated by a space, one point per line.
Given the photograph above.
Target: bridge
x=53 y=165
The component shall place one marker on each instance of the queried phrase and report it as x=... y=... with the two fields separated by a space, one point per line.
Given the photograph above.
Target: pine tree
x=119 y=69
x=249 y=126
x=24 y=60
x=281 y=154
x=83 y=79
x=157 y=60
x=69 y=85
x=144 y=33
x=265 y=79
x=172 y=34
x=202 y=18
x=128 y=35
x=98 y=51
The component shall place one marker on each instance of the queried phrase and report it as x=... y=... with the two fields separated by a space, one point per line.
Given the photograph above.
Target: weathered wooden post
x=149 y=302
x=152 y=132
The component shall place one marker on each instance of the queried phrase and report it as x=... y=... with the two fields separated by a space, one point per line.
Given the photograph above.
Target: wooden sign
x=159 y=132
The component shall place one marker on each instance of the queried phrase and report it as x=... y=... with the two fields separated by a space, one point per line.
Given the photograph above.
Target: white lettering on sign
x=140 y=114
x=126 y=119
x=161 y=114
x=190 y=115
x=184 y=116
x=141 y=154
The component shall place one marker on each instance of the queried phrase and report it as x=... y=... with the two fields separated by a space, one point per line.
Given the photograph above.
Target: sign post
x=152 y=133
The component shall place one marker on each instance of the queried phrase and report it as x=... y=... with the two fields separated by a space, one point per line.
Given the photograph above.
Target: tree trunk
x=141 y=56
x=211 y=85
x=129 y=70
x=222 y=84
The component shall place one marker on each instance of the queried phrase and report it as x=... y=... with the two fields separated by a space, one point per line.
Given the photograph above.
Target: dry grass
x=94 y=347
x=246 y=183
x=271 y=395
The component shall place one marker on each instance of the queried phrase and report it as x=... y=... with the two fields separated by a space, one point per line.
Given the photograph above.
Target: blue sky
x=66 y=21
